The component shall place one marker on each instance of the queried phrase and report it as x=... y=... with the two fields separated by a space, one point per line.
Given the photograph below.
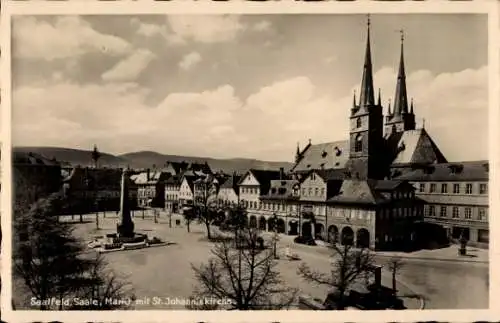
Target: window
x=309 y=191
x=322 y=192
x=444 y=188
x=431 y=210
x=358 y=123
x=316 y=191
x=483 y=189
x=303 y=191
x=358 y=143
x=313 y=176
x=468 y=189
x=421 y=188
x=455 y=212
x=481 y=216
x=456 y=188
x=433 y=188
x=468 y=213
x=442 y=212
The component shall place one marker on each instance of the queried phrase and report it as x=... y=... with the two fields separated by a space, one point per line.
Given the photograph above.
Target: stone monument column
x=126 y=227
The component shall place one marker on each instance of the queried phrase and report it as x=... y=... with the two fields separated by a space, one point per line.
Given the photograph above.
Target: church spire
x=389 y=113
x=411 y=106
x=400 y=99
x=366 y=97
x=354 y=99
x=379 y=103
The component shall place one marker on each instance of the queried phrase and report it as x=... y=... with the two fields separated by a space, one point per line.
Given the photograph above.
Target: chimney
x=148 y=174
x=282 y=173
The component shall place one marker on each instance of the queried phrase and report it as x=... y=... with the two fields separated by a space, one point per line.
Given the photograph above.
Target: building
x=186 y=191
x=280 y=207
x=172 y=189
x=95 y=189
x=151 y=188
x=229 y=191
x=359 y=191
x=456 y=200
x=34 y=177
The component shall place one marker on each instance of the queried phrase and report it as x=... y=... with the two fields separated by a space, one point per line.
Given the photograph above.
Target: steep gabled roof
x=414 y=147
x=232 y=182
x=358 y=192
x=330 y=155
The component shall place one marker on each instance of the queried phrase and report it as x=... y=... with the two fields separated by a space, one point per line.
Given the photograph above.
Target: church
x=378 y=189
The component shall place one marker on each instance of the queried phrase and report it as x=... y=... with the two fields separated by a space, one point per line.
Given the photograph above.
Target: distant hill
x=148 y=159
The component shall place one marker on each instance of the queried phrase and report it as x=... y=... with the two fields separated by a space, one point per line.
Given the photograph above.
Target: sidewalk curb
x=435 y=259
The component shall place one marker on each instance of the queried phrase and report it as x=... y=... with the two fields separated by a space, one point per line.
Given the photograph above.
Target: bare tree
x=243 y=278
x=349 y=266
x=205 y=201
x=106 y=289
x=395 y=264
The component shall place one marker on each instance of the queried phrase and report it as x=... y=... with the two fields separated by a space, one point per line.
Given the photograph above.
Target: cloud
x=66 y=37
x=130 y=67
x=205 y=28
x=190 y=60
x=266 y=124
x=262 y=25
x=148 y=30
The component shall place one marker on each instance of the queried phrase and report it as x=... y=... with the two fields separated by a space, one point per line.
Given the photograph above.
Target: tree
x=395 y=264
x=49 y=260
x=189 y=216
x=246 y=278
x=349 y=266
x=205 y=192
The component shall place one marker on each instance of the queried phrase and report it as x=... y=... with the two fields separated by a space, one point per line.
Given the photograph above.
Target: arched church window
x=358 y=123
x=358 y=144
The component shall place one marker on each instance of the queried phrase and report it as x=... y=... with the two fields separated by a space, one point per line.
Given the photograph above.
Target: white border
x=374 y=7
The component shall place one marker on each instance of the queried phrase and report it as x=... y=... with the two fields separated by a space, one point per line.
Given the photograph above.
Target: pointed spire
x=354 y=99
x=366 y=97
x=389 y=113
x=401 y=99
x=298 y=148
x=411 y=106
x=379 y=103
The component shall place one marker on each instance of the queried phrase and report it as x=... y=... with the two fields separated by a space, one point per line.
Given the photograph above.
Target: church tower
x=400 y=119
x=366 y=127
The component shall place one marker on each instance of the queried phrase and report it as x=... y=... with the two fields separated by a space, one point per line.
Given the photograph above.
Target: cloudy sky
x=239 y=86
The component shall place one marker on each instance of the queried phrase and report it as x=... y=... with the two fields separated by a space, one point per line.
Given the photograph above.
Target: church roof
x=329 y=155
x=415 y=147
x=464 y=171
x=29 y=158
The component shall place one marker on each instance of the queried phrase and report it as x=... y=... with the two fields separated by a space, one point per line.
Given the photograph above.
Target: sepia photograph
x=335 y=162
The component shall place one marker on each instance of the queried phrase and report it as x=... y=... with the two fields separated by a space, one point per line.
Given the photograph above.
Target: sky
x=240 y=85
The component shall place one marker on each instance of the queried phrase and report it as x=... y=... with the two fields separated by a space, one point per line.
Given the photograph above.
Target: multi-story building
x=96 y=189
x=254 y=184
x=34 y=176
x=456 y=198
x=367 y=198
x=186 y=192
x=280 y=206
x=151 y=188
x=172 y=188
x=229 y=191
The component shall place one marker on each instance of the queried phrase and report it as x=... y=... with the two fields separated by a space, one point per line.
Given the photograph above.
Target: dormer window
x=338 y=152
x=273 y=190
x=324 y=154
